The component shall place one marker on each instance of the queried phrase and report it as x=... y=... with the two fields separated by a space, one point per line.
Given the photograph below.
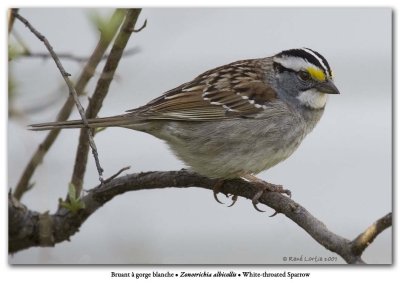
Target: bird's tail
x=113 y=121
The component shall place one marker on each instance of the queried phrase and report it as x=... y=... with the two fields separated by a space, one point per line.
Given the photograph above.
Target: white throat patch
x=313 y=98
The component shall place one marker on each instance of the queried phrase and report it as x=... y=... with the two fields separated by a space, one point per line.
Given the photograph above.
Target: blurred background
x=342 y=172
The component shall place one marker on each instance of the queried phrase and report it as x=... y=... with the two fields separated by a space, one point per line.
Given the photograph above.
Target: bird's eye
x=304 y=76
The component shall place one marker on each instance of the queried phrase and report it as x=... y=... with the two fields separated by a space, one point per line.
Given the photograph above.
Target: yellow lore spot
x=316 y=74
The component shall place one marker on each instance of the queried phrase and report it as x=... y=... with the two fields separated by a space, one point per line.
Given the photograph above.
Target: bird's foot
x=217 y=189
x=262 y=187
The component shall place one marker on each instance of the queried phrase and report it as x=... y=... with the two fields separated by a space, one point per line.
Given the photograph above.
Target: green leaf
x=74 y=203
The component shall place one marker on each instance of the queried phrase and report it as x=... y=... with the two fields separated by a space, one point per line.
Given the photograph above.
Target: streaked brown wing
x=232 y=90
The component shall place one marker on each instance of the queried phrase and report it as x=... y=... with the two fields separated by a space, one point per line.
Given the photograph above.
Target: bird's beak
x=327 y=87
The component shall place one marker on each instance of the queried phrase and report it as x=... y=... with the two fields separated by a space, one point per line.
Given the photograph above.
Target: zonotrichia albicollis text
x=235 y=120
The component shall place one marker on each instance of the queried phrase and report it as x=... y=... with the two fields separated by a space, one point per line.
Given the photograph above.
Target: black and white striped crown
x=298 y=59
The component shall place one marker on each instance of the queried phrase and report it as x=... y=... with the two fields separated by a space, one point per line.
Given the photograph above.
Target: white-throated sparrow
x=235 y=120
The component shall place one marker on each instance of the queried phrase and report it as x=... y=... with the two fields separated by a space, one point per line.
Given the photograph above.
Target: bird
x=236 y=120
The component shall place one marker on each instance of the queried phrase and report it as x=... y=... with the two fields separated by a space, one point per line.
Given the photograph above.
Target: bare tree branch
x=359 y=244
x=87 y=73
x=24 y=232
x=69 y=56
x=71 y=88
x=100 y=93
x=117 y=174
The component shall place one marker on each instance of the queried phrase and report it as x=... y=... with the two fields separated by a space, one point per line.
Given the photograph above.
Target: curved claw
x=256 y=208
x=234 y=199
x=274 y=214
x=217 y=189
x=216 y=197
x=255 y=200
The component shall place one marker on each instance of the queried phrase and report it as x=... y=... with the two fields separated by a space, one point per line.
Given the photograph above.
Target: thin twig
x=71 y=88
x=65 y=111
x=116 y=174
x=141 y=28
x=100 y=93
x=66 y=223
x=68 y=56
x=359 y=244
